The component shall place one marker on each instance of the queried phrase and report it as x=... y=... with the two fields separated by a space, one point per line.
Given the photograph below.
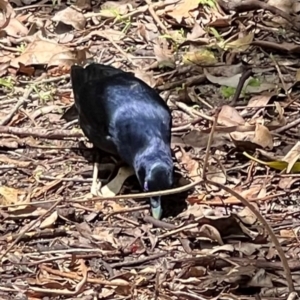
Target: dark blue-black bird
x=122 y=115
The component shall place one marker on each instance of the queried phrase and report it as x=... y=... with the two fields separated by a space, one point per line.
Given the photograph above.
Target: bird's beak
x=156 y=207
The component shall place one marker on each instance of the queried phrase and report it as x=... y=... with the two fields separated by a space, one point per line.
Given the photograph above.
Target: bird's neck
x=155 y=148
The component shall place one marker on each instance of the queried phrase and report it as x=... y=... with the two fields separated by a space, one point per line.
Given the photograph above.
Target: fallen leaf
x=233 y=82
x=182 y=9
x=278 y=165
x=229 y=116
x=49 y=221
x=163 y=55
x=114 y=186
x=16 y=29
x=241 y=44
x=145 y=76
x=83 y=4
x=71 y=16
x=191 y=165
x=260 y=100
x=105 y=235
x=197 y=32
x=67 y=58
x=38 y=52
x=263 y=137
x=112 y=9
x=198 y=139
x=199 y=57
x=292 y=157
x=211 y=233
x=11 y=196
x=247 y=216
x=287 y=182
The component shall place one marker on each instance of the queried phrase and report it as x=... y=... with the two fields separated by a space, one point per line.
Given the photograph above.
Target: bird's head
x=158 y=176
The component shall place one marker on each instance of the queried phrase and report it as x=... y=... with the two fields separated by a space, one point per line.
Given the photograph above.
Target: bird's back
x=131 y=113
x=117 y=111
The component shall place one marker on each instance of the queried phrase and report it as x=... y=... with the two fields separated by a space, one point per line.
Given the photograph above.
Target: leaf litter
x=60 y=242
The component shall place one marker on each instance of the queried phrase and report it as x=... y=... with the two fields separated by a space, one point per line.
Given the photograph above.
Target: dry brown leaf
x=182 y=9
x=105 y=235
x=10 y=142
x=246 y=215
x=241 y=44
x=211 y=233
x=163 y=55
x=114 y=186
x=190 y=165
x=111 y=9
x=261 y=279
x=280 y=120
x=68 y=58
x=298 y=75
x=248 y=193
x=247 y=248
x=38 y=52
x=145 y=76
x=260 y=100
x=71 y=16
x=106 y=293
x=229 y=116
x=49 y=221
x=292 y=156
x=197 y=210
x=197 y=32
x=287 y=233
x=287 y=182
x=11 y=195
x=286 y=6
x=199 y=57
x=16 y=29
x=198 y=139
x=7 y=13
x=83 y=4
x=263 y=137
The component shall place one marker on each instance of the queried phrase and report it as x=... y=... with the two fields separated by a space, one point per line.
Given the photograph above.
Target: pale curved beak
x=156 y=209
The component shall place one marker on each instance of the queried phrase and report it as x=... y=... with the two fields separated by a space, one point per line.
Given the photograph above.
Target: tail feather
x=94 y=71
x=81 y=75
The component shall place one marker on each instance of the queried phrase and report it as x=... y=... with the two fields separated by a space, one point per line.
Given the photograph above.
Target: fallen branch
x=40 y=132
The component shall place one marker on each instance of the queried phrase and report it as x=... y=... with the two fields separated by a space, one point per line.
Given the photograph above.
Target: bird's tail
x=81 y=75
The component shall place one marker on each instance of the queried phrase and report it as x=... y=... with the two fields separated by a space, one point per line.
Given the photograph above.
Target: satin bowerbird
x=122 y=115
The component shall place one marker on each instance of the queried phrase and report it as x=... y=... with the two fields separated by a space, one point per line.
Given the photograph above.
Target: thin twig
x=209 y=143
x=114 y=198
x=156 y=18
x=20 y=103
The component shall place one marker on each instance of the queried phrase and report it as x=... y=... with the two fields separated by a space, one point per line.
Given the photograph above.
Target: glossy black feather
x=121 y=114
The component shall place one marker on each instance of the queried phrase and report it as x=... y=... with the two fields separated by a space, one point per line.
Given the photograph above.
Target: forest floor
x=229 y=73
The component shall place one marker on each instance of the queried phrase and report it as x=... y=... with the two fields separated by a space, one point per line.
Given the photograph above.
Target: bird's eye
x=146 y=186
